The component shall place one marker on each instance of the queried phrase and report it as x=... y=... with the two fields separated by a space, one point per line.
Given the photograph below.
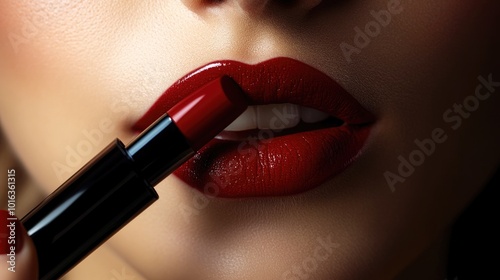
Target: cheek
x=432 y=53
x=46 y=37
x=46 y=75
x=456 y=25
x=25 y=30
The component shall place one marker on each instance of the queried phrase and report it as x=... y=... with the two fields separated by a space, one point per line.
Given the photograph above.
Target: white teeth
x=275 y=117
x=309 y=115
x=246 y=121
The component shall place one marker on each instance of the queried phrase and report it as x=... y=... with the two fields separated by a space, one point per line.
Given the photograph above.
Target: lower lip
x=266 y=166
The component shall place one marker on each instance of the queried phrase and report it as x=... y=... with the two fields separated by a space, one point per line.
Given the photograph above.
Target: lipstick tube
x=117 y=184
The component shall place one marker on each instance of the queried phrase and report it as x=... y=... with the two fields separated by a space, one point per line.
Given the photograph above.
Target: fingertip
x=17 y=251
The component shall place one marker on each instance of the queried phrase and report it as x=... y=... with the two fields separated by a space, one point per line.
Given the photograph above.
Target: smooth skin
x=68 y=68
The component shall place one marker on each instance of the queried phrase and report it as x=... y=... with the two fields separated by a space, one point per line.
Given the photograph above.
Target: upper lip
x=296 y=83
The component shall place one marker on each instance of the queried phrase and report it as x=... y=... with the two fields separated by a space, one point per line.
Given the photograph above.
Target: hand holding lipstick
x=17 y=253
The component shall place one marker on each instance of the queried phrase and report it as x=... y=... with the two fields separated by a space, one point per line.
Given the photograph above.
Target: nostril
x=213 y=2
x=252 y=6
x=310 y=4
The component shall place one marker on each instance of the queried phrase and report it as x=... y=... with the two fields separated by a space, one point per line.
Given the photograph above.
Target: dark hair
x=475 y=237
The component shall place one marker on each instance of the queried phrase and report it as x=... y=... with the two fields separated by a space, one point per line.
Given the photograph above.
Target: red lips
x=281 y=165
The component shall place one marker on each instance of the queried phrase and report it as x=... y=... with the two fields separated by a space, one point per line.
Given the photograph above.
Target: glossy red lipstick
x=276 y=163
x=118 y=183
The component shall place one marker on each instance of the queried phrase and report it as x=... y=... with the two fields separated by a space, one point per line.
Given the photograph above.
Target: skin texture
x=70 y=67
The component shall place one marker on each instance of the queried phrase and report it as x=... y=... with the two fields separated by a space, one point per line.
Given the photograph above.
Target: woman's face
x=74 y=72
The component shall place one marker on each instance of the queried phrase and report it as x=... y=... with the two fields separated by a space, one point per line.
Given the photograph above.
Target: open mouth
x=275 y=120
x=302 y=129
